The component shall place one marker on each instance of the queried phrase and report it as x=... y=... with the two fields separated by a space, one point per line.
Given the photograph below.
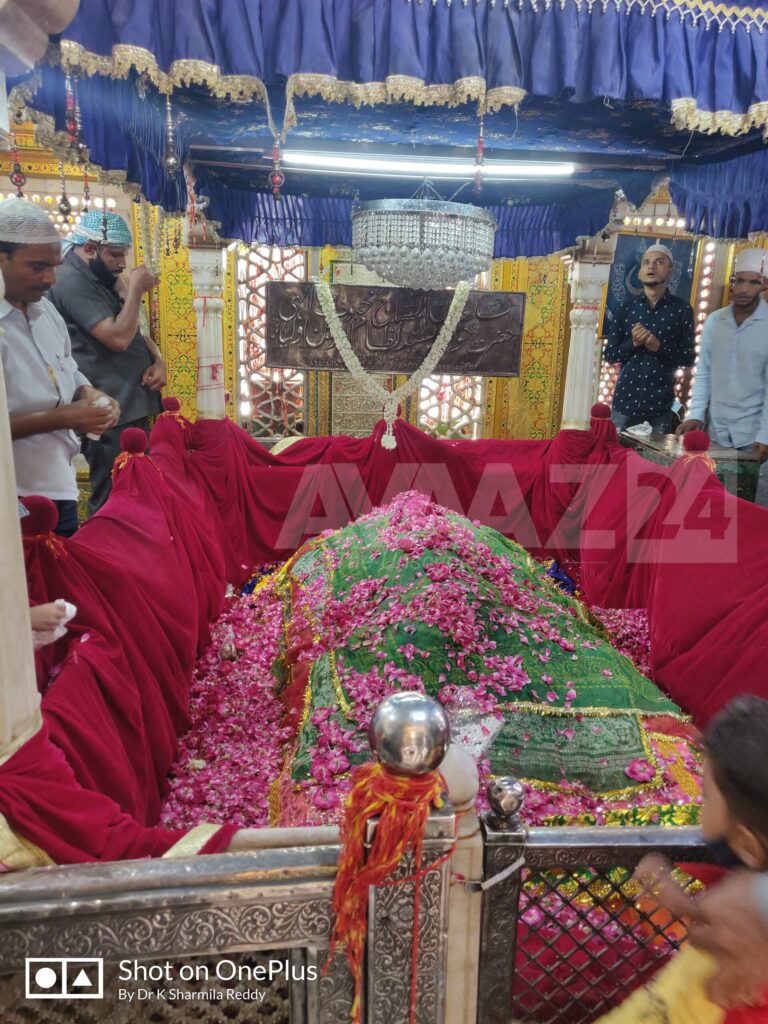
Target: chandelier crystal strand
x=423 y=243
x=391 y=400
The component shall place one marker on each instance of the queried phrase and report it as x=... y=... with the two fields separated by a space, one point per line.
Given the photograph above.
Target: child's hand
x=654 y=872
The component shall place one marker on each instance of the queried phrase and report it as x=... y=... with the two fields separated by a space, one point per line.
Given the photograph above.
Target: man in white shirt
x=731 y=382
x=49 y=400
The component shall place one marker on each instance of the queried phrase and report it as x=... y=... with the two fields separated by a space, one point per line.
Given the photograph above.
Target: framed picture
x=624 y=282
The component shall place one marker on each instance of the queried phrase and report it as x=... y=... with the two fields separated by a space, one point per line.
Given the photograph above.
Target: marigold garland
x=402 y=804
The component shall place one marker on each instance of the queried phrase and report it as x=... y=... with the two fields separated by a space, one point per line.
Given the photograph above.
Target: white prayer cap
x=663 y=249
x=751 y=261
x=24 y=223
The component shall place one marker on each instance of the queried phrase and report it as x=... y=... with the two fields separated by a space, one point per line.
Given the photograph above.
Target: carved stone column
x=19 y=699
x=205 y=261
x=585 y=352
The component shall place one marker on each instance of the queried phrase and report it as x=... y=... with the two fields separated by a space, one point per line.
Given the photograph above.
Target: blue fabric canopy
x=708 y=62
x=595 y=82
x=726 y=199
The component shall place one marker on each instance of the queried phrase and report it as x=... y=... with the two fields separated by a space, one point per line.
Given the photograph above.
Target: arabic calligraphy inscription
x=392 y=329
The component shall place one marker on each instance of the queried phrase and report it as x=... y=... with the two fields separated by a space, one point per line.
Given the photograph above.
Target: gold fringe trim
x=71 y=56
x=193 y=842
x=7 y=752
x=687 y=116
x=17 y=853
x=398 y=89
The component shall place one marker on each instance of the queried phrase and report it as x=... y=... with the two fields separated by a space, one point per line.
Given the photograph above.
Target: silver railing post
x=410 y=735
x=504 y=836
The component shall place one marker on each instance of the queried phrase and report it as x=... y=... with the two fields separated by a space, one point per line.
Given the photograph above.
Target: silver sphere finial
x=409 y=732
x=506 y=796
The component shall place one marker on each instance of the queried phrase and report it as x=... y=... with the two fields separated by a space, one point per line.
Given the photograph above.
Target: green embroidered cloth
x=414 y=595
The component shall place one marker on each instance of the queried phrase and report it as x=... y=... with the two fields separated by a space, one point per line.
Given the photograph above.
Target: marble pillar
x=206 y=262
x=587 y=282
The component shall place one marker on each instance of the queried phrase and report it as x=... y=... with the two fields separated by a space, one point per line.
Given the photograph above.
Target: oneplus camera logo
x=64 y=978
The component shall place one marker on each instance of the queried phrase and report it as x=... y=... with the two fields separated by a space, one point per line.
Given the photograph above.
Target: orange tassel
x=124 y=458
x=402 y=804
x=708 y=461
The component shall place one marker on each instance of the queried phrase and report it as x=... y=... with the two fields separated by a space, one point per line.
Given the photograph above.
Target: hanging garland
x=391 y=399
x=151 y=241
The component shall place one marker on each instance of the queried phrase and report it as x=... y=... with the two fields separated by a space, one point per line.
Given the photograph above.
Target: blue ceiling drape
x=725 y=199
x=526 y=229
x=708 y=62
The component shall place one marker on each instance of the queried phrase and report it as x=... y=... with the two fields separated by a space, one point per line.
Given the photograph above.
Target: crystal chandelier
x=422 y=243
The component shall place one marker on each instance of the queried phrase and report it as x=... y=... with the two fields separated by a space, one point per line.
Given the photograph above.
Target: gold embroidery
x=17 y=853
x=193 y=842
x=394 y=89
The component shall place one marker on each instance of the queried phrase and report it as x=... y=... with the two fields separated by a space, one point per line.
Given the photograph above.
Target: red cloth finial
x=43 y=516
x=696 y=441
x=600 y=411
x=134 y=441
x=171 y=404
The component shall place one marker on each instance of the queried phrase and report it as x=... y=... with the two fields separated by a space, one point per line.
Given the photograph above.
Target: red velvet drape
x=148 y=574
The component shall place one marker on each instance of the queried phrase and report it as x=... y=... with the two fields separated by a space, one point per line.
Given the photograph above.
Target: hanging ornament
x=170 y=160
x=191 y=210
x=17 y=176
x=480 y=159
x=80 y=147
x=276 y=177
x=65 y=207
x=177 y=234
x=692 y=259
x=167 y=235
x=86 y=191
x=70 y=122
x=104 y=221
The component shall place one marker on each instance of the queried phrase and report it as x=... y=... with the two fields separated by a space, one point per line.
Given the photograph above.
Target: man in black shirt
x=651 y=336
x=106 y=338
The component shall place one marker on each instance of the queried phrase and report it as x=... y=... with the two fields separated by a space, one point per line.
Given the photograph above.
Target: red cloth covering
x=118 y=692
x=147 y=574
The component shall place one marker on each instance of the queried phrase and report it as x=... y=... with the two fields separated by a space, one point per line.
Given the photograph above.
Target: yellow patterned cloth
x=675 y=996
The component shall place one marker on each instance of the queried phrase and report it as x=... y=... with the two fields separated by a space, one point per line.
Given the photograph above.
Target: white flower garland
x=151 y=241
x=391 y=399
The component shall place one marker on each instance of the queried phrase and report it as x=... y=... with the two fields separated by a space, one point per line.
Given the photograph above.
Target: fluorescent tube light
x=405 y=166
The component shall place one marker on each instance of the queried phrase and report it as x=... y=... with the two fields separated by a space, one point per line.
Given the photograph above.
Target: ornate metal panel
x=391 y=330
x=271 y=399
x=561 y=918
x=163 y=911
x=390 y=930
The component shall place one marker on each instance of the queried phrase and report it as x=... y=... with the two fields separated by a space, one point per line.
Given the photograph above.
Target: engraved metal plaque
x=391 y=330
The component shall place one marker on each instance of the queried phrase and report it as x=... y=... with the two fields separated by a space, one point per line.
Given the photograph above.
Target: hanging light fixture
x=423 y=243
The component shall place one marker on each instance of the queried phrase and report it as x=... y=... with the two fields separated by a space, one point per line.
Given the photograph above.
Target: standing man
x=651 y=336
x=731 y=382
x=106 y=339
x=49 y=400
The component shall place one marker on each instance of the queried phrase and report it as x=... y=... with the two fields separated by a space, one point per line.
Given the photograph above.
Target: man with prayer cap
x=650 y=337
x=107 y=340
x=50 y=400
x=731 y=382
